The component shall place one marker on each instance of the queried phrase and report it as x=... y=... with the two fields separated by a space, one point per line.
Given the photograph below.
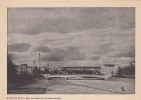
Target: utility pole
x=62 y=64
x=39 y=60
x=48 y=65
x=34 y=63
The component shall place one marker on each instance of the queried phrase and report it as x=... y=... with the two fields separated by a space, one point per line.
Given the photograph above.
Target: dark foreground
x=40 y=85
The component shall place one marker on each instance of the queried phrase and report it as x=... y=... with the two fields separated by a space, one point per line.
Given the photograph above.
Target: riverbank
x=61 y=85
x=34 y=85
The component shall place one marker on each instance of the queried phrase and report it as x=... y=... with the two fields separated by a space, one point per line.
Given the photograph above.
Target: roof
x=109 y=65
x=24 y=65
x=29 y=67
x=83 y=67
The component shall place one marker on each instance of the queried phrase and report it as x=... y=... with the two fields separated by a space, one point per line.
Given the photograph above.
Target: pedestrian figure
x=46 y=84
x=46 y=77
x=123 y=89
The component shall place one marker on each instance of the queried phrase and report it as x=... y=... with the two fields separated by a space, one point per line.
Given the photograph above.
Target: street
x=62 y=86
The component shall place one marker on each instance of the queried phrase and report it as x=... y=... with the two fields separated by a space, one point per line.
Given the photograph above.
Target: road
x=62 y=86
x=90 y=87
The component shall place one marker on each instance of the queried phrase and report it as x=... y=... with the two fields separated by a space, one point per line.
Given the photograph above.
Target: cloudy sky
x=75 y=36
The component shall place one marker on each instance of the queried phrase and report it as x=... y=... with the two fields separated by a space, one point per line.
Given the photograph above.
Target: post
x=34 y=63
x=48 y=65
x=39 y=60
x=62 y=64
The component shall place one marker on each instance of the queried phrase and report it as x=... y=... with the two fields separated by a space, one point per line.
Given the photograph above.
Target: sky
x=72 y=35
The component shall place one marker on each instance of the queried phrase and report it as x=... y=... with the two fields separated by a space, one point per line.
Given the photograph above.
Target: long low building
x=104 y=69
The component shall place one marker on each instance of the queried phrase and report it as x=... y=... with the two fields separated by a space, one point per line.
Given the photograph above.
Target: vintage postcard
x=61 y=50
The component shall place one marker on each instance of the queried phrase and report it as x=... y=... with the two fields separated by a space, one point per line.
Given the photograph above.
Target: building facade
x=109 y=69
x=24 y=70
x=105 y=69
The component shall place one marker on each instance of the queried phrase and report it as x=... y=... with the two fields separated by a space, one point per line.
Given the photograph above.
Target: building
x=30 y=71
x=109 y=69
x=24 y=69
x=105 y=69
x=82 y=70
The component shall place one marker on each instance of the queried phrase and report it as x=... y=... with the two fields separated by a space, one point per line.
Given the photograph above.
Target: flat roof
x=82 y=67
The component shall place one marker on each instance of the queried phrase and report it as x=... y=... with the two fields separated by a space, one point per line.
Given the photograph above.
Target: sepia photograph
x=71 y=50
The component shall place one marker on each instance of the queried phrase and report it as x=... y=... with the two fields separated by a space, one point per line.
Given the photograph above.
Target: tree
x=11 y=69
